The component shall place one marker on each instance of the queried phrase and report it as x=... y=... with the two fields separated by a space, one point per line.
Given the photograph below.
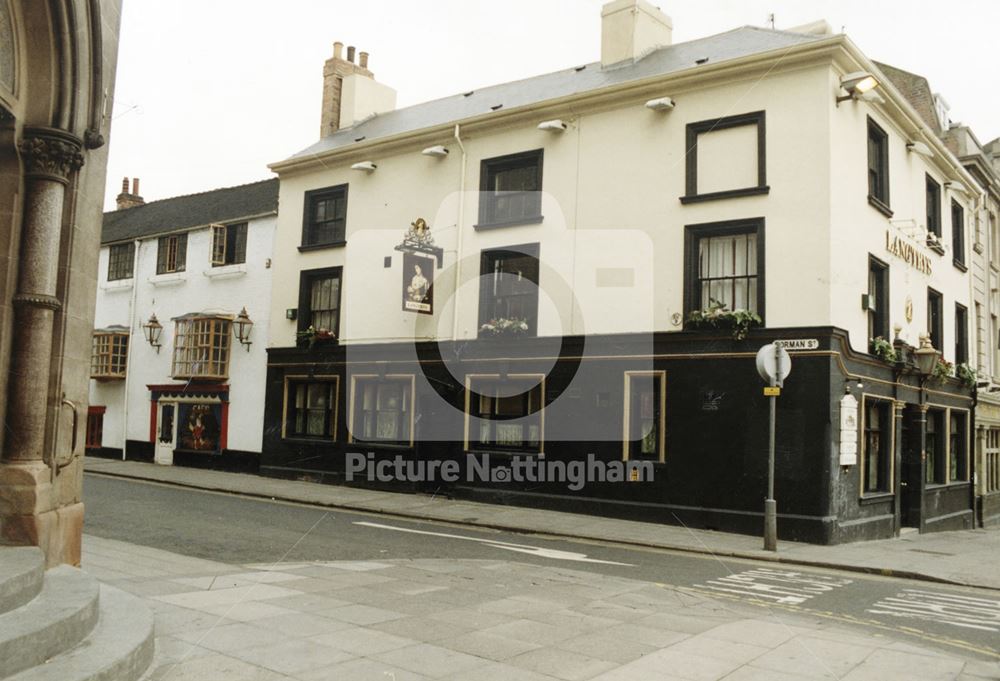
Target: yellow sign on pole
x=772 y=391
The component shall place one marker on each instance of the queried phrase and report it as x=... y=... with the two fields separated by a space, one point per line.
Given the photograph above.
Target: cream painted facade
x=619 y=169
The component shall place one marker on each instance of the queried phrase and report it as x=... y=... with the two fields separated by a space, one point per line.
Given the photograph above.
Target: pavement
x=968 y=557
x=480 y=620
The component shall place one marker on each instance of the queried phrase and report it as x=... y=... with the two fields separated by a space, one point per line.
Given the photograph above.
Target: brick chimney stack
x=129 y=199
x=350 y=92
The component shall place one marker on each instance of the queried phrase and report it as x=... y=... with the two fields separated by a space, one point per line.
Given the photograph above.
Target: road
x=241 y=530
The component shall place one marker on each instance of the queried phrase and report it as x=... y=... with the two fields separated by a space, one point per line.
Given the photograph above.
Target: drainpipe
x=131 y=333
x=461 y=230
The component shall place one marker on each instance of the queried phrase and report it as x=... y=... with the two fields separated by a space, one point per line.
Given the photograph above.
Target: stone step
x=22 y=569
x=120 y=647
x=58 y=618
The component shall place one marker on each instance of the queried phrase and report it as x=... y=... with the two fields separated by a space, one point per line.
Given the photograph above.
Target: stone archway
x=55 y=75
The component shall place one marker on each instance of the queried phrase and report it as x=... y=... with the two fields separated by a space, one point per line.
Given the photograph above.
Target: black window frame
x=489 y=168
x=933 y=201
x=234 y=247
x=635 y=435
x=292 y=384
x=958 y=466
x=961 y=334
x=482 y=388
x=878 y=319
x=306 y=279
x=878 y=167
x=488 y=303
x=935 y=318
x=310 y=241
x=958 y=235
x=121 y=261
x=757 y=118
x=406 y=413
x=163 y=253
x=693 y=234
x=936 y=463
x=883 y=458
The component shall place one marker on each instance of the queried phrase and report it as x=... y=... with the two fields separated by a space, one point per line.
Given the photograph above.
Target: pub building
x=587 y=261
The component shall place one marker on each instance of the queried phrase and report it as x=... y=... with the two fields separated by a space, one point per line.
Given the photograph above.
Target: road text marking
x=507 y=546
x=970 y=612
x=780 y=586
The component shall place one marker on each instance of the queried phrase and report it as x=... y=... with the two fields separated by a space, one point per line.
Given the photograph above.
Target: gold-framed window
x=201 y=347
x=109 y=355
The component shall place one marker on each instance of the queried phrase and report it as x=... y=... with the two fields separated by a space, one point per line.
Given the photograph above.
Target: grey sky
x=211 y=91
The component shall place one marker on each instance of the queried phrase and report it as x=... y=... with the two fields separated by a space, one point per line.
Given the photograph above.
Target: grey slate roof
x=917 y=91
x=194 y=210
x=740 y=42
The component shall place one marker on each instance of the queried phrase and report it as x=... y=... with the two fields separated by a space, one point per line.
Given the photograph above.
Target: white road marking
x=781 y=586
x=507 y=546
x=970 y=612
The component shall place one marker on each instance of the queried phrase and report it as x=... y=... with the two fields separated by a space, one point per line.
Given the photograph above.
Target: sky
x=209 y=92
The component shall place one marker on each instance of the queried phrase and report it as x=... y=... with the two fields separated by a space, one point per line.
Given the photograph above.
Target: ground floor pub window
x=383 y=410
x=644 y=415
x=958 y=446
x=311 y=407
x=877 y=450
x=934 y=446
x=506 y=412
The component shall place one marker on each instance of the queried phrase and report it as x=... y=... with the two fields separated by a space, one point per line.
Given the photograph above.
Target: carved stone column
x=33 y=509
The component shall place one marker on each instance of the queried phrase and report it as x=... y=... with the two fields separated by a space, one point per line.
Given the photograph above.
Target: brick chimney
x=631 y=29
x=129 y=199
x=350 y=92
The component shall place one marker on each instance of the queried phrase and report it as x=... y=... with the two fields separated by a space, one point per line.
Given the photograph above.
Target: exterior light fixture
x=920 y=148
x=926 y=356
x=660 y=104
x=367 y=166
x=856 y=84
x=437 y=150
x=956 y=186
x=152 y=330
x=555 y=125
x=242 y=326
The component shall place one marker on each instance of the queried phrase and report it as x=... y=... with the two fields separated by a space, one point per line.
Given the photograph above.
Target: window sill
x=226 y=271
x=391 y=446
x=727 y=194
x=118 y=285
x=508 y=453
x=533 y=220
x=318 y=247
x=303 y=440
x=876 y=497
x=959 y=265
x=200 y=378
x=935 y=246
x=107 y=378
x=946 y=485
x=878 y=205
x=171 y=279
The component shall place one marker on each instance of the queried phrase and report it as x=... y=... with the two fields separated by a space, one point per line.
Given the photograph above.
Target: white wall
x=171 y=296
x=611 y=183
x=858 y=229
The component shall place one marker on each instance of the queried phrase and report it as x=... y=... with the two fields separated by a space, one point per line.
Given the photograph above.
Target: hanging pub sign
x=418 y=278
x=419 y=256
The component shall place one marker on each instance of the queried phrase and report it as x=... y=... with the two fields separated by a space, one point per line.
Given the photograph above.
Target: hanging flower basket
x=311 y=336
x=883 y=349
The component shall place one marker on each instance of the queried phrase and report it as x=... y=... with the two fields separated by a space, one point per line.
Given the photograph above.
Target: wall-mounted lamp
x=926 y=356
x=956 y=186
x=366 y=166
x=555 y=125
x=152 y=330
x=856 y=84
x=660 y=104
x=438 y=150
x=920 y=148
x=242 y=326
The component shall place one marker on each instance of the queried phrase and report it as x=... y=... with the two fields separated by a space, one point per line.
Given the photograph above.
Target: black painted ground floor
x=864 y=447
